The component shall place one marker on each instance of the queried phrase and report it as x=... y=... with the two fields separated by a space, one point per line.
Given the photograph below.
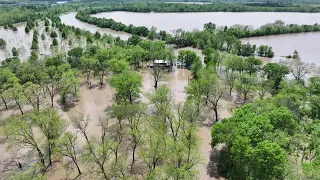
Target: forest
x=272 y=131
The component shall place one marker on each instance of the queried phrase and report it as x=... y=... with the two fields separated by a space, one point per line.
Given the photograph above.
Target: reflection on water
x=70 y=19
x=190 y=21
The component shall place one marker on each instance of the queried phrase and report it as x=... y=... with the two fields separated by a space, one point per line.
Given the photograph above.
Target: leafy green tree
x=88 y=65
x=275 y=72
x=314 y=85
x=97 y=35
x=52 y=126
x=67 y=85
x=7 y=79
x=268 y=161
x=252 y=65
x=245 y=85
x=34 y=95
x=53 y=34
x=127 y=85
x=15 y=52
x=134 y=40
x=15 y=92
x=54 y=42
x=188 y=57
x=74 y=57
x=117 y=66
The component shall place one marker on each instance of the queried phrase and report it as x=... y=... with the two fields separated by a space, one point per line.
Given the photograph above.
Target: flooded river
x=70 y=19
x=190 y=21
x=283 y=45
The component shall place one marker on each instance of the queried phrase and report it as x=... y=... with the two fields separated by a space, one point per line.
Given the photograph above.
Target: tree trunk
x=216 y=112
x=18 y=104
x=133 y=157
x=5 y=103
x=41 y=158
x=52 y=95
x=38 y=105
x=50 y=154
x=155 y=84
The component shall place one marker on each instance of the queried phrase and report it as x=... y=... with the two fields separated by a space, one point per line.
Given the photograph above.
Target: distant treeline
x=215 y=7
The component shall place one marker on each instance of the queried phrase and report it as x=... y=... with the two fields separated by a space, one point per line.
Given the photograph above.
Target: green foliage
x=188 y=57
x=276 y=73
x=54 y=42
x=127 y=85
x=15 y=52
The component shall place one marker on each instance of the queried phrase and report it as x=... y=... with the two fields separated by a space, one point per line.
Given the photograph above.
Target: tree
x=15 y=52
x=230 y=80
x=314 y=85
x=43 y=37
x=26 y=29
x=97 y=35
x=74 y=57
x=188 y=57
x=21 y=135
x=215 y=94
x=117 y=66
x=97 y=152
x=134 y=40
x=127 y=85
x=67 y=146
x=268 y=161
x=7 y=79
x=158 y=74
x=87 y=65
x=16 y=94
x=252 y=65
x=210 y=27
x=263 y=87
x=33 y=93
x=3 y=43
x=246 y=85
x=52 y=126
x=68 y=85
x=275 y=72
x=299 y=69
x=53 y=34
x=54 y=42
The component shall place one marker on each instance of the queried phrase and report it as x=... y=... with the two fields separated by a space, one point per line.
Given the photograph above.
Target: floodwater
x=196 y=20
x=283 y=45
x=70 y=19
x=23 y=41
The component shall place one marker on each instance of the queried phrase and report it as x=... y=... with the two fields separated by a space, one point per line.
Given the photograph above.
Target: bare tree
x=299 y=69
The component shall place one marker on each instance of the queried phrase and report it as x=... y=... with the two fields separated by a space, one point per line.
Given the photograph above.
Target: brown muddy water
x=93 y=102
x=196 y=20
x=283 y=45
x=70 y=19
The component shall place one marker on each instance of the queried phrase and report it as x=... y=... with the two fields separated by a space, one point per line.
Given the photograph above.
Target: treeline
x=278 y=27
x=179 y=7
x=110 y=23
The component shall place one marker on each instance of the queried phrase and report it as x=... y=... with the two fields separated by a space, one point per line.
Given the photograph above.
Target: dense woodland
x=272 y=134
